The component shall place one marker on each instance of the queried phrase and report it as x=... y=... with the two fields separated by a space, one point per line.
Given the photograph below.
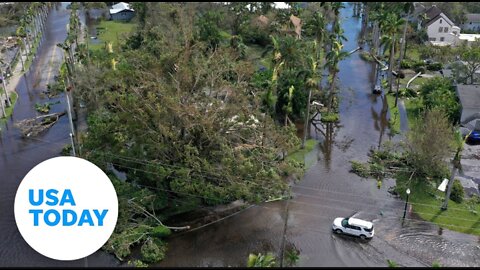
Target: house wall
x=434 y=33
x=471 y=26
x=123 y=15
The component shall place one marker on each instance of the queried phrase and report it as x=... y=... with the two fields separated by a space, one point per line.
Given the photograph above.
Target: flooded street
x=18 y=155
x=328 y=190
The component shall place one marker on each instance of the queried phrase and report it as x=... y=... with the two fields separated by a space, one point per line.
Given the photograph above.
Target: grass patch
x=32 y=53
x=299 y=155
x=413 y=53
x=9 y=110
x=413 y=106
x=427 y=200
x=394 y=121
x=112 y=31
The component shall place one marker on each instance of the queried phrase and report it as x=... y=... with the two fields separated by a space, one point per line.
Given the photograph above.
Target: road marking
x=51 y=64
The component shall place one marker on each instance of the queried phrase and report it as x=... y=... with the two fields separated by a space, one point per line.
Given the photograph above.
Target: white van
x=353 y=226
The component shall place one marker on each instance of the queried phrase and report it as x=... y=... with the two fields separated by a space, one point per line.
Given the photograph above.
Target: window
x=368 y=230
x=440 y=20
x=445 y=29
x=455 y=32
x=345 y=223
x=432 y=39
x=440 y=29
x=442 y=39
x=355 y=227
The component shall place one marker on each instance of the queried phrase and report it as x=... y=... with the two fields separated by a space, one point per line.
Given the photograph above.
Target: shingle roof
x=473 y=17
x=432 y=12
x=469 y=96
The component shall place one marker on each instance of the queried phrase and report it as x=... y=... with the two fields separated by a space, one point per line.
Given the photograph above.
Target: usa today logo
x=66 y=208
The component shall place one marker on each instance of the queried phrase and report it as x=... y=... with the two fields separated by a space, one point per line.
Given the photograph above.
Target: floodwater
x=328 y=190
x=18 y=155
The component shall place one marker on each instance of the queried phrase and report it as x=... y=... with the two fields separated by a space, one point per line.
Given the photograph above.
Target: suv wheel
x=362 y=236
x=338 y=231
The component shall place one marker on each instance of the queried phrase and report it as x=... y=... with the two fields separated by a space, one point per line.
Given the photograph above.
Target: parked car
x=353 y=226
x=474 y=137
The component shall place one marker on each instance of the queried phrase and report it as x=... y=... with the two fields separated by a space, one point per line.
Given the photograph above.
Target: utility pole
x=72 y=130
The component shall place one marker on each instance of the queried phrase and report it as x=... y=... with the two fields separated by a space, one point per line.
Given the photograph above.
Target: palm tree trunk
x=307 y=120
x=390 y=65
x=332 y=89
x=404 y=40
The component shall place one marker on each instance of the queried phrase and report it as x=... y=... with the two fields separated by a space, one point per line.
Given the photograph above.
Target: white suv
x=353 y=226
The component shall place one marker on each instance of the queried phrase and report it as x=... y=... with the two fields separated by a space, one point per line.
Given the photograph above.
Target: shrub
x=457 y=192
x=406 y=64
x=419 y=66
x=330 y=117
x=161 y=231
x=435 y=67
x=359 y=169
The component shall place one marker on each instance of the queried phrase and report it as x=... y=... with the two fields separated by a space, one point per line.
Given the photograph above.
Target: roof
x=473 y=17
x=433 y=14
x=120 y=7
x=359 y=222
x=469 y=37
x=469 y=96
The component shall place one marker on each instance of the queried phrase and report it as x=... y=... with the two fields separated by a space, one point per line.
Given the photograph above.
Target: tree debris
x=34 y=126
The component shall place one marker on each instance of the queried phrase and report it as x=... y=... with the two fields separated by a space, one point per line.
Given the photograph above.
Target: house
x=472 y=22
x=441 y=30
x=469 y=95
x=121 y=12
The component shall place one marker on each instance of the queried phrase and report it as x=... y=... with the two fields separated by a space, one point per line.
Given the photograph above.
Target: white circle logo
x=66 y=208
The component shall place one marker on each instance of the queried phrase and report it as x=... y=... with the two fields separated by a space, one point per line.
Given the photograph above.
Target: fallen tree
x=34 y=126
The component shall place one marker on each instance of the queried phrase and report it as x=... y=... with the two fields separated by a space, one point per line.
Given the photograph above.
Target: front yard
x=111 y=31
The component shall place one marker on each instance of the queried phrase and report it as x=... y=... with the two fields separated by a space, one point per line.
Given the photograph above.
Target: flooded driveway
x=328 y=191
x=18 y=155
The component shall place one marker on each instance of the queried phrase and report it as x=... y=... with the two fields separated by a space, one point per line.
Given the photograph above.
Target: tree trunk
x=449 y=188
x=332 y=89
x=305 y=129
x=390 y=65
x=404 y=41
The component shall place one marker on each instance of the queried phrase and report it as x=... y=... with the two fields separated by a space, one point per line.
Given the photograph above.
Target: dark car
x=474 y=137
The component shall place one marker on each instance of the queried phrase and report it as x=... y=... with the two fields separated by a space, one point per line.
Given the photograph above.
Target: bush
x=330 y=117
x=435 y=67
x=161 y=231
x=419 y=66
x=406 y=64
x=457 y=192
x=360 y=169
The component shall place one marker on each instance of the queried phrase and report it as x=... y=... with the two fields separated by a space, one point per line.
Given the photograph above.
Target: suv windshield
x=368 y=230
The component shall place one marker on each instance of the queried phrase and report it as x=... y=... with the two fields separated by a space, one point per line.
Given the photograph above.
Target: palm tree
x=316 y=27
x=408 y=9
x=334 y=56
x=312 y=84
x=459 y=143
x=391 y=26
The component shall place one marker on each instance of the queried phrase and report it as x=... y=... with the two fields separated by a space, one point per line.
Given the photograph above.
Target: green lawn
x=300 y=154
x=30 y=56
x=426 y=201
x=9 y=110
x=413 y=107
x=394 y=120
x=112 y=31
